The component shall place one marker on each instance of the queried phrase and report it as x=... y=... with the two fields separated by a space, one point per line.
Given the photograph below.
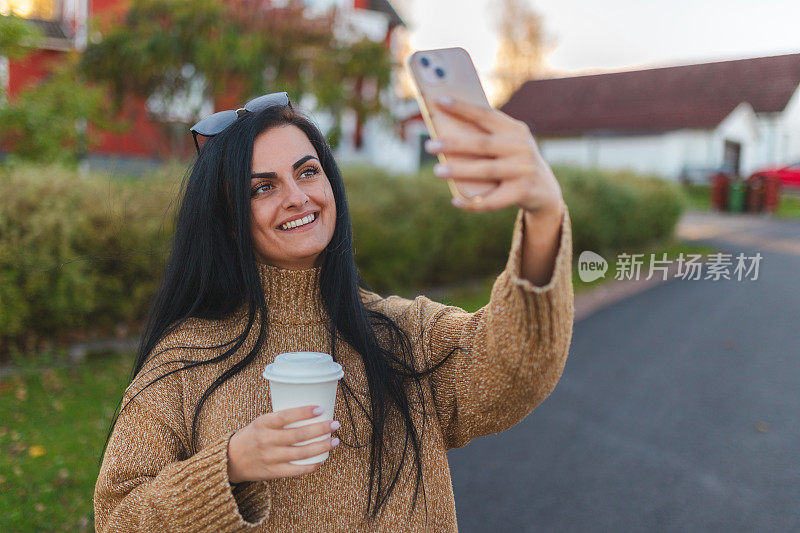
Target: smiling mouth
x=316 y=217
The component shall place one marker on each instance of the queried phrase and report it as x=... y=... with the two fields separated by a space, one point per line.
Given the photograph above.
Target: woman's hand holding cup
x=262 y=449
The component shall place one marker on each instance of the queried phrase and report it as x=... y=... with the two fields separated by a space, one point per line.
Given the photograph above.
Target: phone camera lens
x=440 y=72
x=425 y=61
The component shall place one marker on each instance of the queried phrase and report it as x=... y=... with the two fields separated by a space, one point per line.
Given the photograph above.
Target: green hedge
x=80 y=256
x=408 y=234
x=616 y=211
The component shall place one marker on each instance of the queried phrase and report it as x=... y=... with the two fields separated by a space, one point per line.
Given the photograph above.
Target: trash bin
x=755 y=194
x=719 y=191
x=772 y=194
x=736 y=196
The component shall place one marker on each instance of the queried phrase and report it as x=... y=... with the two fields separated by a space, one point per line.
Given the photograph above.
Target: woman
x=197 y=447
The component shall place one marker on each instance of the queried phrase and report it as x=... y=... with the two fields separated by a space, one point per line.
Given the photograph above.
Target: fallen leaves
x=36 y=451
x=51 y=381
x=15 y=448
x=62 y=478
x=21 y=393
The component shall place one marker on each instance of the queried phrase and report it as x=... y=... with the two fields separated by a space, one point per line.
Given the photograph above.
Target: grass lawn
x=52 y=430
x=789 y=206
x=699 y=197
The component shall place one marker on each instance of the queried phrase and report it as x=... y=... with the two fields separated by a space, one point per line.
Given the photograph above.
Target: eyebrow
x=273 y=175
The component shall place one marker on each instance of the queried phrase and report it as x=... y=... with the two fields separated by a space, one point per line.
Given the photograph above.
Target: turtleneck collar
x=292 y=296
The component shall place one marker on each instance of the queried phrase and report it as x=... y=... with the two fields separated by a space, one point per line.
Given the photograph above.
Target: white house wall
x=380 y=147
x=661 y=154
x=741 y=126
x=778 y=138
x=769 y=125
x=697 y=148
x=576 y=151
x=390 y=152
x=4 y=78
x=788 y=132
x=652 y=154
x=666 y=154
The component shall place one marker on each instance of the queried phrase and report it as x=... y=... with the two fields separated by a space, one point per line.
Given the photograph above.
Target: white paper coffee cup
x=297 y=379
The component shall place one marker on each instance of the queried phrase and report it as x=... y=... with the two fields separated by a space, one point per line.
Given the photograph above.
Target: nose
x=294 y=195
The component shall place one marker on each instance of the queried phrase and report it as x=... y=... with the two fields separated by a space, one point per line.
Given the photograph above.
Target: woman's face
x=288 y=184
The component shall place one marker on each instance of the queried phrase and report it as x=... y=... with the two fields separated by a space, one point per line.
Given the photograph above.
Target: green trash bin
x=736 y=198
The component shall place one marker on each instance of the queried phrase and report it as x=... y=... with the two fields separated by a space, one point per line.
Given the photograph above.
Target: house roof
x=385 y=7
x=659 y=99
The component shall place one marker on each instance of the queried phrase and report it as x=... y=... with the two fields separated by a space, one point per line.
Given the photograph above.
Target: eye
x=255 y=190
x=310 y=172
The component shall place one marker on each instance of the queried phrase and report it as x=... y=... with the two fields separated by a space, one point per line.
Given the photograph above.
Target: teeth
x=296 y=223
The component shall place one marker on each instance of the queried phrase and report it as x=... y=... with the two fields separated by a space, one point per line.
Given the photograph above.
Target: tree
x=46 y=122
x=17 y=36
x=522 y=47
x=17 y=39
x=235 y=50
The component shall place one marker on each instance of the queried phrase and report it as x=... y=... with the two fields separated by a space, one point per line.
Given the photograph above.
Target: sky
x=616 y=34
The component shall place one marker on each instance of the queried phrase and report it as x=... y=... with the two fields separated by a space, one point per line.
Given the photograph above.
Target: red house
x=150 y=138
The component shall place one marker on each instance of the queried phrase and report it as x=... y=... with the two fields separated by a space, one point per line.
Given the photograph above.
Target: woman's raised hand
x=508 y=153
x=262 y=449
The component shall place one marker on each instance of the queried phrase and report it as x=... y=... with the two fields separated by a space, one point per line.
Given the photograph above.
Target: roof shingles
x=660 y=99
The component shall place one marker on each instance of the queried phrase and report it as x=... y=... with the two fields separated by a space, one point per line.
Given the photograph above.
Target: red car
x=789 y=176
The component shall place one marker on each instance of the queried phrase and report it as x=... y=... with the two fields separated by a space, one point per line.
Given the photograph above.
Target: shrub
x=616 y=211
x=77 y=254
x=407 y=234
x=80 y=256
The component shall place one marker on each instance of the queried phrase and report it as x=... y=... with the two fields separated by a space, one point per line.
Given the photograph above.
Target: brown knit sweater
x=516 y=347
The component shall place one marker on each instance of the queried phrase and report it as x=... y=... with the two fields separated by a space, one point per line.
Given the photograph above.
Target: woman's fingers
x=476 y=144
x=498 y=198
x=284 y=417
x=303 y=433
x=284 y=454
x=484 y=117
x=482 y=169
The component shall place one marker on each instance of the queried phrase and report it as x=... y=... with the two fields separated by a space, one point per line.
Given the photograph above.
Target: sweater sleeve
x=147 y=482
x=506 y=357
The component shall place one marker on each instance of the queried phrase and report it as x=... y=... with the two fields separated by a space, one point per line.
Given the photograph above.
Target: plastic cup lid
x=303 y=367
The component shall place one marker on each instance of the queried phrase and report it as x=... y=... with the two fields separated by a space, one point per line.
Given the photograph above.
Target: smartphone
x=449 y=72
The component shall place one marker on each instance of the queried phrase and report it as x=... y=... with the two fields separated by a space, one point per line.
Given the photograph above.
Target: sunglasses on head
x=214 y=124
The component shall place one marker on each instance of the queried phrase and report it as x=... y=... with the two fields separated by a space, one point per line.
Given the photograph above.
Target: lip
x=304 y=227
x=297 y=217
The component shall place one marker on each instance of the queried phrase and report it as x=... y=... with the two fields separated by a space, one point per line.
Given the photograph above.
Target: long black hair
x=211 y=272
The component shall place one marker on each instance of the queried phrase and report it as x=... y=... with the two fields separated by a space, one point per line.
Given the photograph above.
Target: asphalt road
x=678 y=410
